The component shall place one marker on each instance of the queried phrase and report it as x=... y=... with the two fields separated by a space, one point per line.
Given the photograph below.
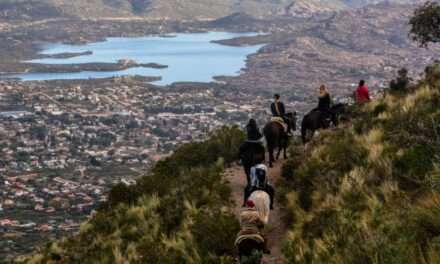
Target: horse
x=261 y=200
x=250 y=249
x=315 y=120
x=251 y=153
x=276 y=137
x=250 y=241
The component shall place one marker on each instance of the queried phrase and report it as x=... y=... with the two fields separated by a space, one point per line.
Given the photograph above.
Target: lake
x=189 y=57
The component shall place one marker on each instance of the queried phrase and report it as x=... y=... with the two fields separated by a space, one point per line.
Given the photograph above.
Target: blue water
x=189 y=57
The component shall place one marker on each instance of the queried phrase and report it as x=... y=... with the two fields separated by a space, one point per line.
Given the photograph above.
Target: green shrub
x=413 y=166
x=178 y=213
x=370 y=193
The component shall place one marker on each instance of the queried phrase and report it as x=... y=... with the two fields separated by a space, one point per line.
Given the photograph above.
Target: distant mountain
x=308 y=7
x=175 y=9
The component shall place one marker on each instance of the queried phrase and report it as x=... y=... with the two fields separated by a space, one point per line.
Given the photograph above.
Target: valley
x=104 y=131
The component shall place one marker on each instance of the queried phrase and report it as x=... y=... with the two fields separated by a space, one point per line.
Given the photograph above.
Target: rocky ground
x=337 y=50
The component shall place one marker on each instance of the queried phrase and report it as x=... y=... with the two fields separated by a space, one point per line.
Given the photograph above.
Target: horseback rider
x=253 y=133
x=259 y=181
x=277 y=107
x=252 y=150
x=402 y=82
x=362 y=93
x=324 y=102
x=278 y=110
x=252 y=227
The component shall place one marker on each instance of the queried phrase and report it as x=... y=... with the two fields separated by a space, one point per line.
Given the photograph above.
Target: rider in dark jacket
x=253 y=133
x=252 y=150
x=278 y=110
x=277 y=107
x=324 y=102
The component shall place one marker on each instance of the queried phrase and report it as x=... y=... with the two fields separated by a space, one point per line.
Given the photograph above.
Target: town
x=63 y=144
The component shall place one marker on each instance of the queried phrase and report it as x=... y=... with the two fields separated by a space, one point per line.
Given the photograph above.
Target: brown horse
x=276 y=137
x=315 y=120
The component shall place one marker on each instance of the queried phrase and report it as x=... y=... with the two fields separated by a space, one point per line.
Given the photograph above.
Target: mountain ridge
x=175 y=9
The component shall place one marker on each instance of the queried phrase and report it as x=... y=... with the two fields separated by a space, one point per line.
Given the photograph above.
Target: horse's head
x=291 y=118
x=337 y=110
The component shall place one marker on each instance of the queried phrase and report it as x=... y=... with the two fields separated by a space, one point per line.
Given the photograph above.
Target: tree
x=425 y=24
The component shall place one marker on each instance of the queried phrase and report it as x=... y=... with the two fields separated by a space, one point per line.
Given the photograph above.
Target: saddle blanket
x=255 y=237
x=280 y=121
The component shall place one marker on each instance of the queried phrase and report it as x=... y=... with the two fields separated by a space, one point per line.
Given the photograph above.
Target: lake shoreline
x=80 y=67
x=190 y=62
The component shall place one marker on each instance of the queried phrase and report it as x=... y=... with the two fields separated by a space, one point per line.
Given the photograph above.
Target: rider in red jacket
x=362 y=93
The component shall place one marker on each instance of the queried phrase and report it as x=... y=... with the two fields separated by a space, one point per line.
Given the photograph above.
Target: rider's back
x=277 y=108
x=324 y=102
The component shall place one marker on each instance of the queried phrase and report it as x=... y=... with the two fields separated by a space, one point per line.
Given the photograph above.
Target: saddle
x=243 y=236
x=259 y=141
x=280 y=121
x=325 y=115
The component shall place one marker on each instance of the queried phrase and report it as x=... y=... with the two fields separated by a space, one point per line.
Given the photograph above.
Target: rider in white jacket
x=259 y=181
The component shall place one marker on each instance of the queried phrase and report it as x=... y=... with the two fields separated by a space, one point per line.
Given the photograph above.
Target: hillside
x=181 y=212
x=368 y=192
x=172 y=9
x=365 y=192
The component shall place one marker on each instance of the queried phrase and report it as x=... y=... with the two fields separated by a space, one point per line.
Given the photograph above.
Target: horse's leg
x=271 y=158
x=247 y=171
x=246 y=193
x=280 y=148
x=286 y=140
x=335 y=118
x=303 y=134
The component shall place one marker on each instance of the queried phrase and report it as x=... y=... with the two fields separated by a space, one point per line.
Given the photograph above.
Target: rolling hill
x=174 y=9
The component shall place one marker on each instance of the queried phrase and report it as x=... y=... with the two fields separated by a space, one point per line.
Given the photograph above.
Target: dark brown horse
x=277 y=138
x=250 y=251
x=315 y=120
x=251 y=153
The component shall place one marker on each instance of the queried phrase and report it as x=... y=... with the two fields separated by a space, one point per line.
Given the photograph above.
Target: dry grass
x=359 y=208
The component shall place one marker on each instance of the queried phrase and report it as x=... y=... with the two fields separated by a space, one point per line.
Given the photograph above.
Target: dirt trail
x=276 y=228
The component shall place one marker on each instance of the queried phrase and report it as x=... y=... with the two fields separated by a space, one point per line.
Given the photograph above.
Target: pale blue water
x=190 y=57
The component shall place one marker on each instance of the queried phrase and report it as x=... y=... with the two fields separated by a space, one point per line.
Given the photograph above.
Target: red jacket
x=362 y=94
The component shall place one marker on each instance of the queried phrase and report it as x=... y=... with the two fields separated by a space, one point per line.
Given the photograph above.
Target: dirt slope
x=276 y=229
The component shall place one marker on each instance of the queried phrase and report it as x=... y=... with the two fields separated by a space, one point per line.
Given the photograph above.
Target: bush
x=179 y=213
x=370 y=193
x=425 y=24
